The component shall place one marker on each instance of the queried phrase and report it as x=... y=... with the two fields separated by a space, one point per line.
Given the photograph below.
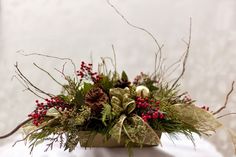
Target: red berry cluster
x=154 y=114
x=148 y=109
x=41 y=110
x=205 y=108
x=86 y=72
x=145 y=102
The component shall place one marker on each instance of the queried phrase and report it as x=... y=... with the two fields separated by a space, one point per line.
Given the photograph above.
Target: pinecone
x=95 y=99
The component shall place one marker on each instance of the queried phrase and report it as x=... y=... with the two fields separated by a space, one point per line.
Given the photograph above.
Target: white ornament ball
x=142 y=91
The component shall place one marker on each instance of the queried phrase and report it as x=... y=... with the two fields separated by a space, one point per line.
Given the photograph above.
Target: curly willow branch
x=186 y=55
x=48 y=74
x=17 y=128
x=159 y=47
x=22 y=76
x=49 y=56
x=24 y=83
x=224 y=115
x=226 y=100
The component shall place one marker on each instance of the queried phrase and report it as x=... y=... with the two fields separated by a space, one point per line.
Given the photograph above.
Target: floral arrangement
x=109 y=104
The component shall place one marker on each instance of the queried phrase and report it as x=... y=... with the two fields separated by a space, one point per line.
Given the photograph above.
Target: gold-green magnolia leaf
x=201 y=119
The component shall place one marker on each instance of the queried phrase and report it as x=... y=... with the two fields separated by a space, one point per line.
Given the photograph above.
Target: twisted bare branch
x=224 y=115
x=48 y=74
x=186 y=55
x=49 y=56
x=28 y=82
x=226 y=100
x=159 y=47
x=16 y=128
x=24 y=83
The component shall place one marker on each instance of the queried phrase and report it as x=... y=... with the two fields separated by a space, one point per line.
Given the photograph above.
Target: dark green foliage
x=124 y=77
x=106 y=83
x=86 y=88
x=78 y=99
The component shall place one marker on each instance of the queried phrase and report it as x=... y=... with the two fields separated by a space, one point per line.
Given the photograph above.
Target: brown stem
x=24 y=83
x=224 y=115
x=226 y=100
x=62 y=72
x=186 y=55
x=159 y=47
x=173 y=66
x=30 y=83
x=43 y=55
x=48 y=74
x=17 y=128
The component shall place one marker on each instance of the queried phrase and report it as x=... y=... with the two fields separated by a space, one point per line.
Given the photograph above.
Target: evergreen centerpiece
x=106 y=106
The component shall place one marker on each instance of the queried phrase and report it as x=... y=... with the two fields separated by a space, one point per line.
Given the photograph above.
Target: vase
x=98 y=141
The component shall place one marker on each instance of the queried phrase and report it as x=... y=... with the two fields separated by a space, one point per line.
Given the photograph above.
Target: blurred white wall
x=79 y=28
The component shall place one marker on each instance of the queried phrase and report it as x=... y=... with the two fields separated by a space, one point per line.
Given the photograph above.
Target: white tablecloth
x=180 y=148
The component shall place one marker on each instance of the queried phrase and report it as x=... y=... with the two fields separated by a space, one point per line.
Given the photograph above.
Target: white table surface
x=180 y=148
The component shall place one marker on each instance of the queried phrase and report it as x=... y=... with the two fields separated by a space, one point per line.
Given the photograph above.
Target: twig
x=172 y=71
x=62 y=72
x=103 y=64
x=111 y=60
x=186 y=54
x=49 y=56
x=63 y=69
x=16 y=128
x=48 y=74
x=174 y=66
x=157 y=67
x=159 y=47
x=114 y=55
x=224 y=115
x=184 y=93
x=226 y=100
x=26 y=85
x=30 y=83
x=161 y=72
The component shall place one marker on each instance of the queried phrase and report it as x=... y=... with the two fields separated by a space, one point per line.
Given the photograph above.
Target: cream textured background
x=77 y=28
